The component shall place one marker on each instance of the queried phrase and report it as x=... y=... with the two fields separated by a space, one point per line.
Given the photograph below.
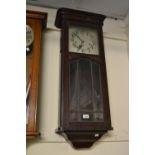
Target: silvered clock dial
x=83 y=40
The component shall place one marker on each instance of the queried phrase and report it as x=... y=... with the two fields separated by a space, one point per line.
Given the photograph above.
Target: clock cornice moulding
x=65 y=13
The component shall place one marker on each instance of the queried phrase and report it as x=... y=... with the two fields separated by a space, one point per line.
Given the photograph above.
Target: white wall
x=114 y=142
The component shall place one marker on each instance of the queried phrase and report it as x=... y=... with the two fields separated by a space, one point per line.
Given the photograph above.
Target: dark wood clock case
x=83 y=124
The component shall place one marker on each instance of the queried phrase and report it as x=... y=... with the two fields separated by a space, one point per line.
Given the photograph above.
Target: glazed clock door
x=86 y=108
x=34 y=27
x=85 y=93
x=85 y=96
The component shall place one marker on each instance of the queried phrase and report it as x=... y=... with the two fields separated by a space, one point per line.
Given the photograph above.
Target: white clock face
x=29 y=35
x=83 y=40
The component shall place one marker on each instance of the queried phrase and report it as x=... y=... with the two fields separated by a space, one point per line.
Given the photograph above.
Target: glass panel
x=85 y=91
x=74 y=116
x=73 y=91
x=98 y=106
x=85 y=85
x=28 y=81
x=27 y=110
x=98 y=116
x=29 y=58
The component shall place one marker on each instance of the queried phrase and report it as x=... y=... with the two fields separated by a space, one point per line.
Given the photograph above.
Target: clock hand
x=82 y=41
x=79 y=47
x=91 y=45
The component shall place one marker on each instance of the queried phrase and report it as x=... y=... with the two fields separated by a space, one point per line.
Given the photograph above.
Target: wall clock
x=35 y=24
x=84 y=104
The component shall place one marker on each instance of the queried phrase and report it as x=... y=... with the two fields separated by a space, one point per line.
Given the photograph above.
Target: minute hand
x=82 y=41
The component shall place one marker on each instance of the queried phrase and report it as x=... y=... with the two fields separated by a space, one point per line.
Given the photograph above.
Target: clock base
x=32 y=135
x=81 y=139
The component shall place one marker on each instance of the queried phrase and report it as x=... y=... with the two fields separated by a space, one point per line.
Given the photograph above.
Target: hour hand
x=82 y=41
x=81 y=45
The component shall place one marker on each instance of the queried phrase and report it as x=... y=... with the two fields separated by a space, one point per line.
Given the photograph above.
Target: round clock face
x=83 y=40
x=29 y=35
x=29 y=39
